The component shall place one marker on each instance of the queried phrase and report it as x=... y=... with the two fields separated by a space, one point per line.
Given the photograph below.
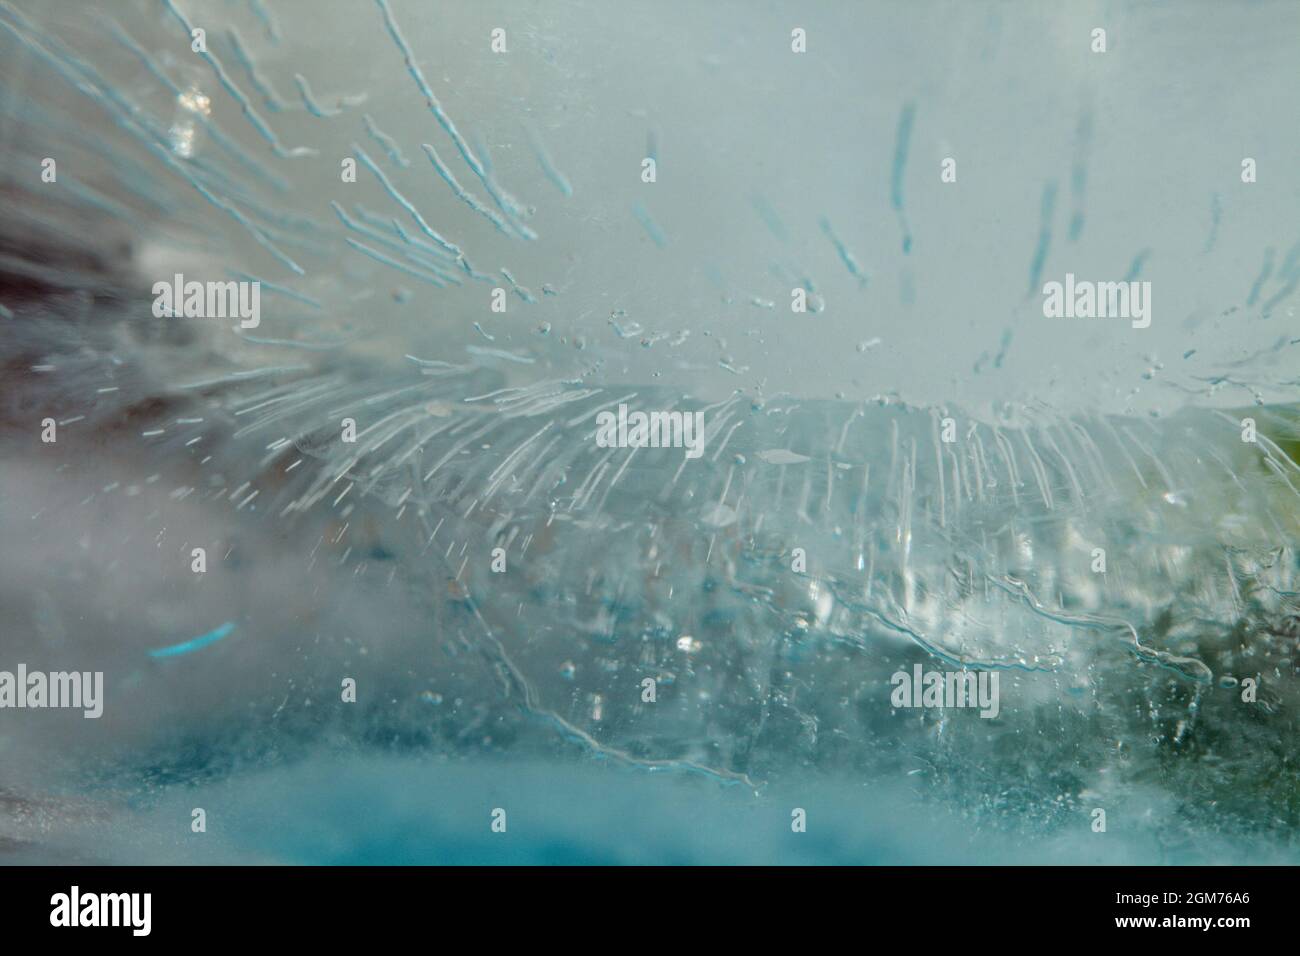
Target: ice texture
x=920 y=469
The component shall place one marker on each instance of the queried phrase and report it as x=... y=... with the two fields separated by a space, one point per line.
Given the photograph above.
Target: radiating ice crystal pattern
x=612 y=402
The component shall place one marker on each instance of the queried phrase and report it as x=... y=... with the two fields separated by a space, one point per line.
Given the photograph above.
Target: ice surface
x=828 y=536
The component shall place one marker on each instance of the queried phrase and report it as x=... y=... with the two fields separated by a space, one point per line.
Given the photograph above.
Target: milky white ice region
x=920 y=468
